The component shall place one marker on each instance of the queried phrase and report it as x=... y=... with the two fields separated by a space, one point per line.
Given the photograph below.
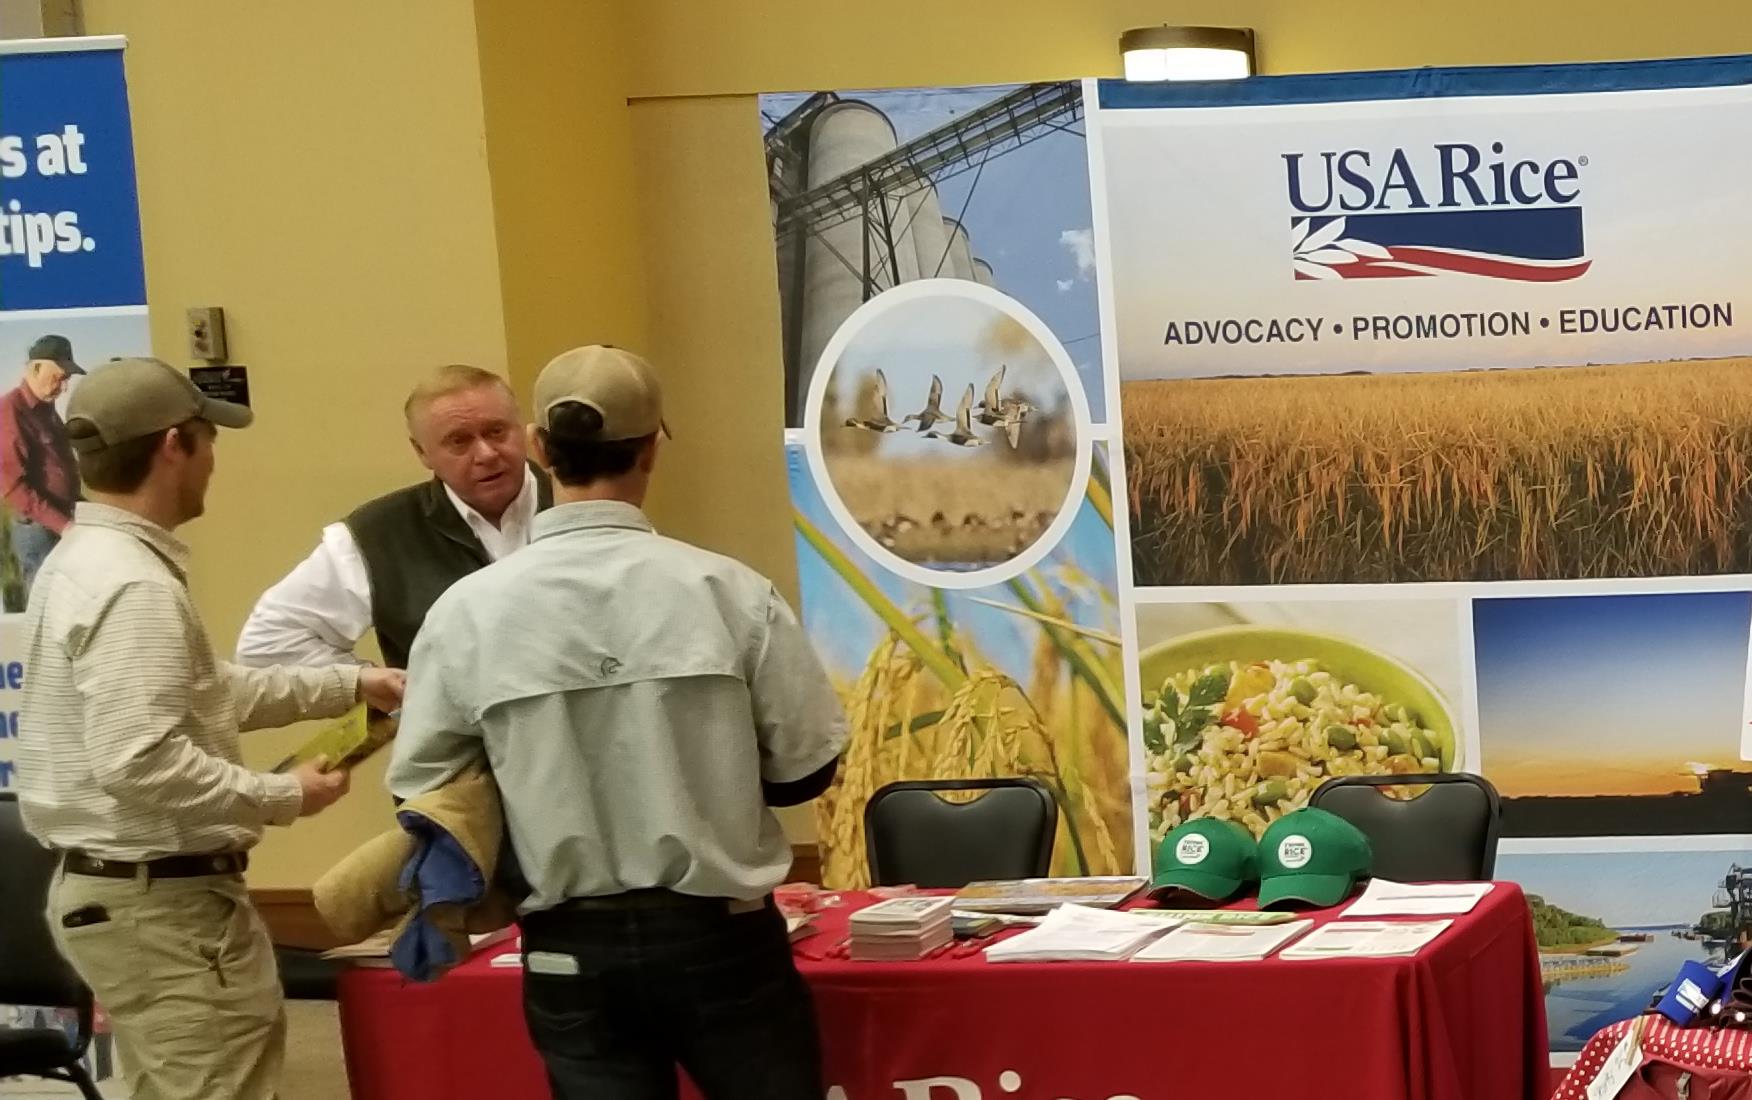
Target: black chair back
x=32 y=971
x=912 y=836
x=1446 y=834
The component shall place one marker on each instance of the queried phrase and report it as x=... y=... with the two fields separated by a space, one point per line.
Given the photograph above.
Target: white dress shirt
x=318 y=613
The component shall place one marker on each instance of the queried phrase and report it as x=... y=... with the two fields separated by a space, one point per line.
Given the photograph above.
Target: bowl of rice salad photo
x=1242 y=723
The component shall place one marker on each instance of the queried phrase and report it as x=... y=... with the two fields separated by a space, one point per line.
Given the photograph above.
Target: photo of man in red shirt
x=39 y=481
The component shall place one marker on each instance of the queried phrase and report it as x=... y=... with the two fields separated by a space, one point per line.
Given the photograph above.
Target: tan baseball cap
x=128 y=398
x=616 y=383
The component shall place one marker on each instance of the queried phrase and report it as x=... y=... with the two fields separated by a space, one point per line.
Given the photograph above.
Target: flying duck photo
x=956 y=487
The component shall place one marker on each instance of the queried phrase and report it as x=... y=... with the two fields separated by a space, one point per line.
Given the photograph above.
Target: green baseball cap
x=1208 y=857
x=1311 y=856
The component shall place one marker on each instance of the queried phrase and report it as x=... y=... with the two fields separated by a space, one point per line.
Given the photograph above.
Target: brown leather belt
x=216 y=863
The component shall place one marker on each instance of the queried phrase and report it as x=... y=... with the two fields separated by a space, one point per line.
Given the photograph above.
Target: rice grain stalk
x=1100 y=491
x=884 y=687
x=1081 y=657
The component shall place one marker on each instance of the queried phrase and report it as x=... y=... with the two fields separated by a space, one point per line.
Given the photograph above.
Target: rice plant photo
x=1633 y=470
x=1020 y=678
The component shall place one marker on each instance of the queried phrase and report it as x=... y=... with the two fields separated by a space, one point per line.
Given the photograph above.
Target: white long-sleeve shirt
x=319 y=611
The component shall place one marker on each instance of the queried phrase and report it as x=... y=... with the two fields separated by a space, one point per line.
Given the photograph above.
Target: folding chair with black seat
x=32 y=972
x=1447 y=833
x=914 y=836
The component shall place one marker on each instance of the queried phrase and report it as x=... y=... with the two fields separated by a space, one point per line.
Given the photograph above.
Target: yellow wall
x=369 y=189
x=683 y=47
x=318 y=169
x=553 y=79
x=715 y=329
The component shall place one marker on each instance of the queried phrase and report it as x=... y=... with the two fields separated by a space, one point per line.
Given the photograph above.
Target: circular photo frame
x=948 y=433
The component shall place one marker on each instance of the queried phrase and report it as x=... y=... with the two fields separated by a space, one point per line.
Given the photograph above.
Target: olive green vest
x=415 y=546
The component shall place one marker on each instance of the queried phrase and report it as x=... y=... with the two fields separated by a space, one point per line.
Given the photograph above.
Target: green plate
x=1370 y=669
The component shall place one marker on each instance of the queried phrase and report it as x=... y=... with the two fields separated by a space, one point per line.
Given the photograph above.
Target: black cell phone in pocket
x=84 y=916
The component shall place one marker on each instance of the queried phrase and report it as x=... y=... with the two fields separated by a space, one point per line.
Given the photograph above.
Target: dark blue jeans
x=663 y=982
x=31 y=543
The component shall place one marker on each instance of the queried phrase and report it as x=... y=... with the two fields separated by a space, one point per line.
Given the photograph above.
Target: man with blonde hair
x=383 y=566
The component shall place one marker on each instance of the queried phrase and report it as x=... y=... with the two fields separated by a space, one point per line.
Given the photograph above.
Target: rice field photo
x=1615 y=715
x=1018 y=678
x=1249 y=707
x=1634 y=470
x=948 y=433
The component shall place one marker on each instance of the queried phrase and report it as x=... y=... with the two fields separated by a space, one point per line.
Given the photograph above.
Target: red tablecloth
x=1692 y=1048
x=1465 y=1020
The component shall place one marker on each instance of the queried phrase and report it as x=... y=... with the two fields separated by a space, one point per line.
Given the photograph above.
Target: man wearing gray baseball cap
x=128 y=761
x=642 y=704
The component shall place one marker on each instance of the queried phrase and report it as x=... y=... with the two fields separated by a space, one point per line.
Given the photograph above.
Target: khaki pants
x=185 y=970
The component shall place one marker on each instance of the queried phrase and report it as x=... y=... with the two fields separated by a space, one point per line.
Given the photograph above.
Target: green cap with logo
x=1208 y=857
x=1311 y=856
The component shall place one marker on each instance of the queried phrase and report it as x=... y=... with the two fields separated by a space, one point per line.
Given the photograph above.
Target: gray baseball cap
x=616 y=383
x=128 y=398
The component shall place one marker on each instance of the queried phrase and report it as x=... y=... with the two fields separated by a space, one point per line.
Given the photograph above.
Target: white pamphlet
x=1620 y=1065
x=902 y=914
x=485 y=940
x=1401 y=899
x=1359 y=939
x=1221 y=942
x=1078 y=933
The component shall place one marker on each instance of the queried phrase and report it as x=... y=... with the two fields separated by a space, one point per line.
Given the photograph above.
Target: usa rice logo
x=1192 y=849
x=1454 y=209
x=1294 y=852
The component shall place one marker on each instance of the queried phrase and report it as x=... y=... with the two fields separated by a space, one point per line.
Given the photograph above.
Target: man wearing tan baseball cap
x=643 y=705
x=128 y=762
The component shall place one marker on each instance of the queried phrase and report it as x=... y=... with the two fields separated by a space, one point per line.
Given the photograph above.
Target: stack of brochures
x=1221 y=942
x=901 y=928
x=1042 y=895
x=799 y=926
x=1078 y=933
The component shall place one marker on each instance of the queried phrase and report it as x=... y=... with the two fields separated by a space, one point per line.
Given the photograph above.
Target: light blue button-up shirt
x=631 y=693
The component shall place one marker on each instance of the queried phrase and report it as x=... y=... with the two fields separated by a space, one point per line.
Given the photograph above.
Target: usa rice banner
x=1184 y=446
x=72 y=295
